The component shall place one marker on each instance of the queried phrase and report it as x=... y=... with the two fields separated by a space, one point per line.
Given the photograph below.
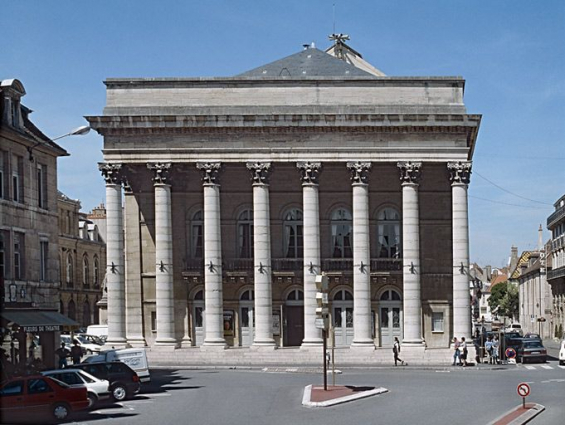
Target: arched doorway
x=294 y=318
x=198 y=317
x=246 y=318
x=342 y=316
x=390 y=317
x=85 y=313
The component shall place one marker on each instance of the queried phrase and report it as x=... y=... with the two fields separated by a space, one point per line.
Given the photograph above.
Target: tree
x=504 y=299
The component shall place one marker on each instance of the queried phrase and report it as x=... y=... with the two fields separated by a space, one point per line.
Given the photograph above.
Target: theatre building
x=234 y=193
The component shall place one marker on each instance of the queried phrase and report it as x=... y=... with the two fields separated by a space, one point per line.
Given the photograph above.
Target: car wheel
x=60 y=411
x=119 y=392
x=92 y=400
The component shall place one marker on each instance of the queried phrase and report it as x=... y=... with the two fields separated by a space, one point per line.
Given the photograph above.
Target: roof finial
x=339 y=40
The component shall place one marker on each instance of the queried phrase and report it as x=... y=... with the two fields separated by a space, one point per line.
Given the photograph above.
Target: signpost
x=511 y=355
x=523 y=390
x=322 y=316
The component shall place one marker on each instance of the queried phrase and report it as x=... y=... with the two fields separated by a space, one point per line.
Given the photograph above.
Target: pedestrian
x=62 y=354
x=456 y=352
x=76 y=352
x=464 y=351
x=495 y=348
x=488 y=347
x=396 y=351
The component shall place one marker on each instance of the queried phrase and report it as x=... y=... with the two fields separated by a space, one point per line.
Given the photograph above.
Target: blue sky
x=512 y=54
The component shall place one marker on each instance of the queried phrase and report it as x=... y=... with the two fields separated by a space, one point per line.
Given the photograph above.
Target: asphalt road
x=443 y=396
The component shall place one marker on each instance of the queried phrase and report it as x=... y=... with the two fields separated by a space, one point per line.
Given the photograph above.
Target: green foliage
x=504 y=299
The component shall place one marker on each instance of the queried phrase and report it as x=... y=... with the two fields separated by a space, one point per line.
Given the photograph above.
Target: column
x=214 y=302
x=260 y=172
x=115 y=273
x=310 y=172
x=459 y=175
x=362 y=336
x=411 y=272
x=164 y=285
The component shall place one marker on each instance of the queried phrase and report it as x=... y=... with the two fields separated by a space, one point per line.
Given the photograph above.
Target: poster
x=229 y=323
x=276 y=323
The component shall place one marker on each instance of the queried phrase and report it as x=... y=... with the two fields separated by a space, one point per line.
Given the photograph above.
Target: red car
x=35 y=395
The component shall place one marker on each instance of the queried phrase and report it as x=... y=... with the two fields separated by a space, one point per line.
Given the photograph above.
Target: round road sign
x=510 y=353
x=523 y=389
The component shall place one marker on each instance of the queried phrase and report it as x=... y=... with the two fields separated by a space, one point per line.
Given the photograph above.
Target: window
x=390 y=295
x=245 y=234
x=292 y=233
x=2 y=167
x=72 y=310
x=61 y=307
x=42 y=186
x=43 y=256
x=153 y=321
x=343 y=295
x=388 y=233
x=96 y=272
x=85 y=272
x=296 y=295
x=247 y=295
x=437 y=322
x=13 y=388
x=17 y=179
x=86 y=313
x=19 y=255
x=3 y=271
x=197 y=235
x=38 y=386
x=341 y=222
x=69 y=268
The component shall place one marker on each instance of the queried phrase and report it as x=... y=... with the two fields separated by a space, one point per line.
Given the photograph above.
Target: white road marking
x=562 y=367
x=157 y=395
x=546 y=366
x=530 y=367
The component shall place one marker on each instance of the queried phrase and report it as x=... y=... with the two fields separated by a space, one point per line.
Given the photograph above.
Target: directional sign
x=523 y=389
x=510 y=353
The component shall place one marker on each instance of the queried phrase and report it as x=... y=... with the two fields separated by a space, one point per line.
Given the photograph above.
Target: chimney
x=540 y=238
x=488 y=271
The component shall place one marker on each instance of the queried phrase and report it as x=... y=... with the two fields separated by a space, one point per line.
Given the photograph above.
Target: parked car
x=532 y=335
x=562 y=353
x=124 y=382
x=530 y=350
x=514 y=327
x=86 y=346
x=91 y=339
x=24 y=397
x=97 y=389
x=100 y=331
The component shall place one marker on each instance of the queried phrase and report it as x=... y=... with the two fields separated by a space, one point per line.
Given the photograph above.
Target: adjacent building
x=556 y=258
x=225 y=197
x=83 y=263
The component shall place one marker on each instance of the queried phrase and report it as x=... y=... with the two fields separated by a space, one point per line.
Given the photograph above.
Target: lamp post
x=79 y=131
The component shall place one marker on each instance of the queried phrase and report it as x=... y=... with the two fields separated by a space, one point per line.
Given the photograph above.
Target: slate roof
x=310 y=62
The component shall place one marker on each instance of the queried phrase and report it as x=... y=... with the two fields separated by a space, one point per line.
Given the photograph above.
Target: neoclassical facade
x=556 y=261
x=234 y=193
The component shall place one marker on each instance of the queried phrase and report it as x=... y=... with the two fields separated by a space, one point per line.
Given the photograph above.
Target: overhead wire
x=511 y=193
x=508 y=204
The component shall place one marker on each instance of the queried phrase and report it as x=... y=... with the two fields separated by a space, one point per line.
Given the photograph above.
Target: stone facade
x=239 y=191
x=556 y=271
x=83 y=263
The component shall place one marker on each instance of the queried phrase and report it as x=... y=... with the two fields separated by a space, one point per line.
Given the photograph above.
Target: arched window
x=61 y=307
x=96 y=272
x=390 y=295
x=245 y=234
x=292 y=233
x=343 y=295
x=85 y=271
x=72 y=310
x=70 y=271
x=199 y=296
x=388 y=233
x=248 y=295
x=197 y=235
x=341 y=222
x=296 y=295
x=86 y=313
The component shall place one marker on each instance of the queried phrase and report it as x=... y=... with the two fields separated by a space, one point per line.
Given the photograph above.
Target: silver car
x=97 y=389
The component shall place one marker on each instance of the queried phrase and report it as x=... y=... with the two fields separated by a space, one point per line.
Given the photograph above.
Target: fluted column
x=164 y=285
x=214 y=302
x=260 y=172
x=459 y=175
x=115 y=271
x=361 y=255
x=411 y=271
x=310 y=172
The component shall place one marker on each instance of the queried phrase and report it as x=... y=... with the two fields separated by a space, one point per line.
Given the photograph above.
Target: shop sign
x=42 y=328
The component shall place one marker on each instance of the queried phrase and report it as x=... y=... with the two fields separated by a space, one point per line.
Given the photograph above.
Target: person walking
x=456 y=352
x=464 y=351
x=488 y=347
x=495 y=349
x=61 y=352
x=76 y=352
x=396 y=351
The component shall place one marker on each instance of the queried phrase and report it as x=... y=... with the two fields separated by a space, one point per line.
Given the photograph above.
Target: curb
x=506 y=419
x=364 y=394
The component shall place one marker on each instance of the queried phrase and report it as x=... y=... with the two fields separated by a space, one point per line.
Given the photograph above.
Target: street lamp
x=79 y=131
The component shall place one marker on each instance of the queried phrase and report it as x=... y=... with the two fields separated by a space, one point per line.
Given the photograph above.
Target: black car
x=531 y=350
x=124 y=382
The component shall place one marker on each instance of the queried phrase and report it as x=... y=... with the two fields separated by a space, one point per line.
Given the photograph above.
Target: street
x=416 y=395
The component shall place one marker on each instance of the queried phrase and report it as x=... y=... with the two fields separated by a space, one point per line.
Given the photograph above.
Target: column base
x=214 y=345
x=186 y=342
x=167 y=342
x=271 y=346
x=311 y=343
x=364 y=344
x=137 y=342
x=115 y=344
x=414 y=342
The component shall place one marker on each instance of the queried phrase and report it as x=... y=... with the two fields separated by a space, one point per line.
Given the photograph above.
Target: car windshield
x=59 y=383
x=90 y=339
x=532 y=344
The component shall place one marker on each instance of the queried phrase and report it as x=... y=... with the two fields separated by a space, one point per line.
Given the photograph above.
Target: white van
x=514 y=327
x=98 y=330
x=136 y=358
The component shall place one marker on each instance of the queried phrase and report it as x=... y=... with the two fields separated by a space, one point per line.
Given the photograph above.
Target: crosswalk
x=543 y=366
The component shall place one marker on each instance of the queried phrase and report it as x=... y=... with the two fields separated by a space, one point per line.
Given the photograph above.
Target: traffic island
x=316 y=396
x=520 y=415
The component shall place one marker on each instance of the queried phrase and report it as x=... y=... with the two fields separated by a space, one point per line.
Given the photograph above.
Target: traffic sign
x=510 y=353
x=523 y=389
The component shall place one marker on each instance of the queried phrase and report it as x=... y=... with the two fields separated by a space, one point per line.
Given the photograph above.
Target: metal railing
x=556 y=216
x=556 y=273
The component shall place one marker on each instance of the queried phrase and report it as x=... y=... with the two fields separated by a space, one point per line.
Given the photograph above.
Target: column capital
x=309 y=171
x=359 y=171
x=459 y=172
x=260 y=172
x=210 y=172
x=112 y=173
x=410 y=171
x=160 y=172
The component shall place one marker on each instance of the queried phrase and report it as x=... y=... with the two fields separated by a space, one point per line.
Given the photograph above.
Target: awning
x=38 y=320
